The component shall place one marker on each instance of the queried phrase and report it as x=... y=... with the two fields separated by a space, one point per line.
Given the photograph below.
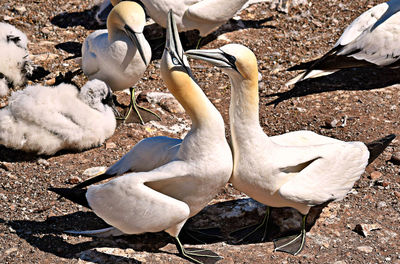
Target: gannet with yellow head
x=298 y=169
x=120 y=54
x=166 y=196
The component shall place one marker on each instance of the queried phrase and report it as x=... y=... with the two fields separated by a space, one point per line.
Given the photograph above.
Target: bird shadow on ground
x=15 y=155
x=72 y=47
x=12 y=155
x=346 y=80
x=48 y=236
x=84 y=18
x=241 y=213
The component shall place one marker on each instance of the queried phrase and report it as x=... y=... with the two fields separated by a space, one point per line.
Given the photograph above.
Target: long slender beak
x=393 y=8
x=173 y=42
x=136 y=41
x=216 y=57
x=173 y=45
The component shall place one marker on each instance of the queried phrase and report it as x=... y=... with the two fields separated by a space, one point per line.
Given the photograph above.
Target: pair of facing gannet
x=173 y=180
x=203 y=15
x=120 y=54
x=371 y=40
x=298 y=169
x=164 y=181
x=15 y=64
x=45 y=119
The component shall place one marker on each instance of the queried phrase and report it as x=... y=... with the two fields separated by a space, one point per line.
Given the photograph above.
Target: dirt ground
x=364 y=102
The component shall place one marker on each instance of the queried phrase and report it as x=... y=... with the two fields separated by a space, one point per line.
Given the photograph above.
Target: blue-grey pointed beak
x=134 y=38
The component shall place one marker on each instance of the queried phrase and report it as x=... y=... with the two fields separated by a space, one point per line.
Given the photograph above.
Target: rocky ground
x=349 y=105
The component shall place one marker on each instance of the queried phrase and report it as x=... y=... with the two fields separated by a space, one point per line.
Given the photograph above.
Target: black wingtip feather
x=378 y=146
x=93 y=180
x=75 y=195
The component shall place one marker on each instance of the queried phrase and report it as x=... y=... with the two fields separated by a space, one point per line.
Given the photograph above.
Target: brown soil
x=32 y=219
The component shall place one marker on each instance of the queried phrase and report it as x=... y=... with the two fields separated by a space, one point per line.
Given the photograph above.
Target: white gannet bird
x=203 y=15
x=371 y=40
x=120 y=54
x=15 y=64
x=180 y=178
x=298 y=169
x=47 y=119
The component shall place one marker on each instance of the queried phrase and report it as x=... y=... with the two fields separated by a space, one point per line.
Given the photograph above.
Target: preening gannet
x=118 y=55
x=298 y=169
x=47 y=119
x=203 y=15
x=371 y=40
x=190 y=171
x=15 y=64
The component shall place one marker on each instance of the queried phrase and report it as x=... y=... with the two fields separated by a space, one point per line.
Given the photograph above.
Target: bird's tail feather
x=378 y=146
x=75 y=195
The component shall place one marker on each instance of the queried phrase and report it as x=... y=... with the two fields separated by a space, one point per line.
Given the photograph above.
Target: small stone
x=395 y=159
x=365 y=249
x=381 y=204
x=45 y=31
x=365 y=229
x=172 y=105
x=50 y=81
x=331 y=123
x=74 y=180
x=110 y=145
x=94 y=171
x=10 y=250
x=397 y=194
x=20 y=9
x=4 y=166
x=385 y=184
x=45 y=57
x=375 y=175
x=43 y=162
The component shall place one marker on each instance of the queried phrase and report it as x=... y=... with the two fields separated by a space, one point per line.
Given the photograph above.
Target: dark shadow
x=15 y=155
x=72 y=47
x=85 y=18
x=38 y=74
x=12 y=155
x=155 y=34
x=282 y=221
x=347 y=80
x=45 y=236
x=225 y=216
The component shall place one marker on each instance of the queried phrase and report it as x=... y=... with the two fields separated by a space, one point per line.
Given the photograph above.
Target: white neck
x=243 y=110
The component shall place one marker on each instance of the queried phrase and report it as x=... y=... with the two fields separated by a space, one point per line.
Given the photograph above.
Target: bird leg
x=134 y=106
x=201 y=235
x=199 y=42
x=248 y=233
x=196 y=255
x=292 y=244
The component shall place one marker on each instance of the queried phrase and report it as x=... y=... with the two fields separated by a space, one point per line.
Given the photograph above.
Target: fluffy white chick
x=45 y=119
x=15 y=65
